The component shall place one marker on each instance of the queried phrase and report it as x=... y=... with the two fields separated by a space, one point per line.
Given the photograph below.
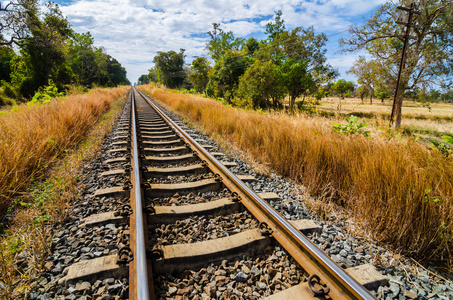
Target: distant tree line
x=40 y=49
x=251 y=73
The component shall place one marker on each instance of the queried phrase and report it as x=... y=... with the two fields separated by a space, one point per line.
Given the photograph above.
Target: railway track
x=198 y=230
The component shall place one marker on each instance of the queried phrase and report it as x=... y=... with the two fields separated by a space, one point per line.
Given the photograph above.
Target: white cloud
x=133 y=31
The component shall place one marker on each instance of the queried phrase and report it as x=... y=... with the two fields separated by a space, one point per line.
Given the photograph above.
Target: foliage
x=6 y=56
x=115 y=74
x=285 y=63
x=169 y=68
x=199 y=77
x=251 y=46
x=259 y=85
x=273 y=30
x=143 y=79
x=370 y=75
x=448 y=139
x=221 y=42
x=353 y=127
x=48 y=49
x=86 y=61
x=225 y=75
x=382 y=93
x=342 y=87
x=45 y=94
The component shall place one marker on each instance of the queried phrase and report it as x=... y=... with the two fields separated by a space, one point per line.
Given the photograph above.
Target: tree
x=382 y=93
x=342 y=87
x=221 y=42
x=227 y=70
x=323 y=82
x=6 y=57
x=370 y=74
x=363 y=91
x=251 y=46
x=294 y=55
x=152 y=75
x=260 y=84
x=17 y=18
x=115 y=74
x=273 y=30
x=200 y=74
x=44 y=51
x=169 y=67
x=429 y=57
x=86 y=61
x=143 y=79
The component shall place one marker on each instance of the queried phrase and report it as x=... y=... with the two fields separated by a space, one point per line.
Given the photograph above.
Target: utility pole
x=395 y=118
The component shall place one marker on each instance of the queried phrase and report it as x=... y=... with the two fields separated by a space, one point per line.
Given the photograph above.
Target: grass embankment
x=399 y=189
x=79 y=120
x=31 y=137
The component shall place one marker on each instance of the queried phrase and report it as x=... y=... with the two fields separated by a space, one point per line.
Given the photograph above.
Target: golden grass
x=399 y=189
x=25 y=246
x=32 y=137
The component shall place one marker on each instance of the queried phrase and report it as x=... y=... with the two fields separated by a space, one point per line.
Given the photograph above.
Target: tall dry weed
x=26 y=243
x=32 y=137
x=402 y=191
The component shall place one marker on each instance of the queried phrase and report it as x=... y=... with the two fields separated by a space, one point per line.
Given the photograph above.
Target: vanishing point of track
x=160 y=147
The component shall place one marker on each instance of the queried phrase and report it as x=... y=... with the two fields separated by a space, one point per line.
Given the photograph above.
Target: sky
x=134 y=31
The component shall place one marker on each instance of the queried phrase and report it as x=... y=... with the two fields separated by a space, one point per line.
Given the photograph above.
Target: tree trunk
x=371 y=99
x=292 y=100
x=395 y=118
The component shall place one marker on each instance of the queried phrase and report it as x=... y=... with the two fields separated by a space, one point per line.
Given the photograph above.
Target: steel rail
x=307 y=254
x=141 y=272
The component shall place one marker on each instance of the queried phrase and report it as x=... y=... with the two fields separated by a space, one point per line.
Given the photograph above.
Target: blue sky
x=134 y=31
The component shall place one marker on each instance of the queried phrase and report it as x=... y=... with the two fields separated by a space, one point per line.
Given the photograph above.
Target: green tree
x=302 y=52
x=370 y=74
x=87 y=62
x=342 y=87
x=428 y=57
x=152 y=75
x=199 y=77
x=260 y=86
x=362 y=91
x=43 y=52
x=382 y=93
x=169 y=67
x=274 y=29
x=221 y=42
x=227 y=70
x=294 y=55
x=115 y=73
x=143 y=79
x=323 y=82
x=6 y=57
x=251 y=46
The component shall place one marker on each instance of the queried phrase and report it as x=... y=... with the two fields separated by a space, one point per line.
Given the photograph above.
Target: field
x=393 y=186
x=429 y=119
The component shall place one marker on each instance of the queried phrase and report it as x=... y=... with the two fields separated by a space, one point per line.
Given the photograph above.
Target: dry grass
x=32 y=137
x=25 y=246
x=399 y=189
